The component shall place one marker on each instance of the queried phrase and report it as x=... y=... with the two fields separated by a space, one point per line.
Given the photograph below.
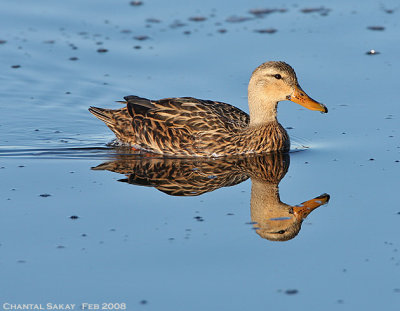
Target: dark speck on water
x=321 y=10
x=73 y=58
x=199 y=218
x=102 y=50
x=143 y=302
x=16 y=66
x=3 y=41
x=389 y=11
x=376 y=28
x=177 y=24
x=197 y=19
x=268 y=30
x=141 y=38
x=238 y=19
x=136 y=3
x=291 y=291
x=74 y=217
x=45 y=195
x=153 y=20
x=262 y=12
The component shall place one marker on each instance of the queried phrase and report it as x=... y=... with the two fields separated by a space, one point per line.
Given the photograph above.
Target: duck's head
x=273 y=82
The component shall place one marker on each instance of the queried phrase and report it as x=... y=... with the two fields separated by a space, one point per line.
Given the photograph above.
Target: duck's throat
x=262 y=111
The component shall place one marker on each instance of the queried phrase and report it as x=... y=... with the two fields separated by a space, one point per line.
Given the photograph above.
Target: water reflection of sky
x=132 y=243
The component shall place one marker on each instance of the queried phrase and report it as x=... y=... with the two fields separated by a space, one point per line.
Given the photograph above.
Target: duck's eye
x=278 y=76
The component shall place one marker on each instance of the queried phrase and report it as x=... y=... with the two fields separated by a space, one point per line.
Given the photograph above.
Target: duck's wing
x=174 y=126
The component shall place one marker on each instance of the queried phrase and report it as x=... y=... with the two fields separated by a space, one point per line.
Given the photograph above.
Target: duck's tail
x=102 y=114
x=118 y=120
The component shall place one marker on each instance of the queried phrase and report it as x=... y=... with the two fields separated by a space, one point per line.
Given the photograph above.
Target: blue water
x=137 y=245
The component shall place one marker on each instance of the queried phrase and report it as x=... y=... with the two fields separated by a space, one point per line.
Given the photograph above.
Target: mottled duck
x=190 y=127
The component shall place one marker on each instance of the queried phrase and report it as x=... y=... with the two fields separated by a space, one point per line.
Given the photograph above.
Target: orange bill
x=300 y=97
x=302 y=210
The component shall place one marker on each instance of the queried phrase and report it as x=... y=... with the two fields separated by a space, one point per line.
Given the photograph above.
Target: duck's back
x=183 y=126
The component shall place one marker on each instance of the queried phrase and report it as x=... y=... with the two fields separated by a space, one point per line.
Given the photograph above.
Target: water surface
x=140 y=246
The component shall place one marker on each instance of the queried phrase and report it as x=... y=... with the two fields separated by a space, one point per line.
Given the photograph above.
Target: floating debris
x=268 y=30
x=177 y=24
x=102 y=50
x=16 y=66
x=45 y=195
x=321 y=10
x=262 y=12
x=291 y=291
x=199 y=218
x=153 y=20
x=372 y=52
x=238 y=19
x=141 y=38
x=74 y=217
x=376 y=28
x=388 y=11
x=136 y=3
x=197 y=19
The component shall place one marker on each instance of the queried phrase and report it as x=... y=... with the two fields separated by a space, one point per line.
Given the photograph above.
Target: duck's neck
x=262 y=109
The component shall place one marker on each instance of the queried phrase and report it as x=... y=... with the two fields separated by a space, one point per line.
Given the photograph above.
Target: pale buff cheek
x=278 y=90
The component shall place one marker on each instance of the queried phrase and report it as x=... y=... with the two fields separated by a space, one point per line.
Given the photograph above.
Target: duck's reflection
x=272 y=219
